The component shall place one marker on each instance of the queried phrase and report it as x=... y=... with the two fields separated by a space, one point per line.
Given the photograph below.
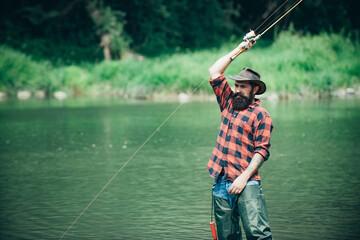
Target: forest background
x=142 y=47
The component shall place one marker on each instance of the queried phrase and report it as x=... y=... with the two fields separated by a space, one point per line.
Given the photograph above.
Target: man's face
x=243 y=87
x=244 y=95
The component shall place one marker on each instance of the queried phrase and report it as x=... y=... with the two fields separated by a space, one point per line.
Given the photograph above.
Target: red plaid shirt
x=242 y=134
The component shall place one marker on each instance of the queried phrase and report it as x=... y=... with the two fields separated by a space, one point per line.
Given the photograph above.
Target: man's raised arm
x=222 y=63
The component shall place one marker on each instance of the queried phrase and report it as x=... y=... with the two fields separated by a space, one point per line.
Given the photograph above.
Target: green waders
x=250 y=207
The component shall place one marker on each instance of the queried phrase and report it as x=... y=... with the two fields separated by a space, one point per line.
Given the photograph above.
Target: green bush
x=291 y=64
x=19 y=71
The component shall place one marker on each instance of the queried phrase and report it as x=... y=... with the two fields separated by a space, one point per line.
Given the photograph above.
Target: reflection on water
x=55 y=157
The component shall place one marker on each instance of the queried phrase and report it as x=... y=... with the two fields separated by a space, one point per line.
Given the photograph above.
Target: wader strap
x=212 y=224
x=212 y=204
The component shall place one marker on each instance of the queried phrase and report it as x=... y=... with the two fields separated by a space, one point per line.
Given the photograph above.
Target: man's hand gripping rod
x=249 y=37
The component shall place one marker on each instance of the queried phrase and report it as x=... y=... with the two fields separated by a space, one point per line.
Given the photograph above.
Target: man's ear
x=255 y=89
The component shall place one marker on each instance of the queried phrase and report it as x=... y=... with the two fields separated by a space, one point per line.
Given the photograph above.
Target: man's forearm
x=222 y=63
x=254 y=165
x=240 y=182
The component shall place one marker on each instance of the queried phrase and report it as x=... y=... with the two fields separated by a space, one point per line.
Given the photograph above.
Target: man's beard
x=241 y=102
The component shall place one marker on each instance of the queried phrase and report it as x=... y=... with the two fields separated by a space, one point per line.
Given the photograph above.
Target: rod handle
x=237 y=54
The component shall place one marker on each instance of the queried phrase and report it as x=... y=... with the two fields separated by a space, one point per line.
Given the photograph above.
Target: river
x=57 y=155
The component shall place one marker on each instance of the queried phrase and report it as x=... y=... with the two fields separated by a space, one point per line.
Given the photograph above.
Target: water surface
x=56 y=156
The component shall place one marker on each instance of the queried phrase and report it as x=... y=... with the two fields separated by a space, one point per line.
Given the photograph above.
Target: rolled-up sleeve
x=222 y=91
x=263 y=129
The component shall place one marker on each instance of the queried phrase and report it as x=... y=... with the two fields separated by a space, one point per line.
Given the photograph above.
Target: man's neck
x=254 y=101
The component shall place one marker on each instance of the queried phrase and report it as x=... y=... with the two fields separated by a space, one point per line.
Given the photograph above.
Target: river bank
x=167 y=96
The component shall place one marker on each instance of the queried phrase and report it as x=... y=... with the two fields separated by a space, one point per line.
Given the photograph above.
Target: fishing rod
x=252 y=37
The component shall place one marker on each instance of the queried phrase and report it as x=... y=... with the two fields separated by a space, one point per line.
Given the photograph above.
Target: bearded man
x=242 y=146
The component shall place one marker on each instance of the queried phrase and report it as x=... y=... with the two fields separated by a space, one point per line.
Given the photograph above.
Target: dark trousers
x=249 y=205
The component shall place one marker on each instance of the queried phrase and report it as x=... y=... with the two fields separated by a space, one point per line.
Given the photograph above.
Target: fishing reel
x=249 y=36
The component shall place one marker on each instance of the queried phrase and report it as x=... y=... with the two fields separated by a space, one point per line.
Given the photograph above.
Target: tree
x=110 y=27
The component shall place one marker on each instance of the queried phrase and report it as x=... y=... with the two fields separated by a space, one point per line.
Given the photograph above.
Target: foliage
x=293 y=63
x=19 y=71
x=109 y=21
x=64 y=31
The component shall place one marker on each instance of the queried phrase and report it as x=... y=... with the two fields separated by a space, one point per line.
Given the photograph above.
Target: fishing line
x=283 y=14
x=122 y=167
x=175 y=110
x=270 y=15
x=251 y=36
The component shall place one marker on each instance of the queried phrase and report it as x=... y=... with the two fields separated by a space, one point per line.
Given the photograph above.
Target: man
x=242 y=146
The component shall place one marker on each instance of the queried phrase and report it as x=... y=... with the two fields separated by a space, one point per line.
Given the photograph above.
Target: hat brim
x=261 y=84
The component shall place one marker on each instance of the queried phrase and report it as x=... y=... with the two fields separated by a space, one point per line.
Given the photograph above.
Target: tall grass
x=18 y=71
x=293 y=63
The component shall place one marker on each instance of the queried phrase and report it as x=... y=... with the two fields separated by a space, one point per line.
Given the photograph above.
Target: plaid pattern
x=242 y=134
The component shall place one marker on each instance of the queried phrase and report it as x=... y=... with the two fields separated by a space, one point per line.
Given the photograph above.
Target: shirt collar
x=256 y=102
